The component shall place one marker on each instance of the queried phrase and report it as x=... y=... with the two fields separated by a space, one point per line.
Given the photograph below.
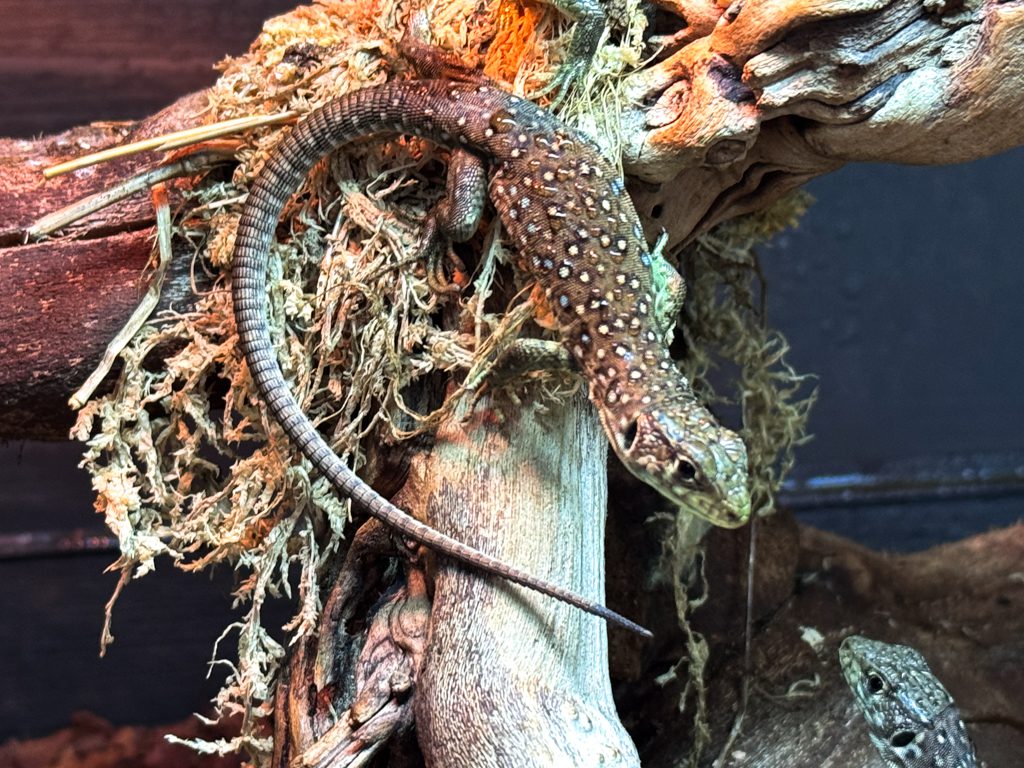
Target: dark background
x=901 y=290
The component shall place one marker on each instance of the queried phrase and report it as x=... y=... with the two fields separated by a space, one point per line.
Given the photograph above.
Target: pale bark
x=529 y=485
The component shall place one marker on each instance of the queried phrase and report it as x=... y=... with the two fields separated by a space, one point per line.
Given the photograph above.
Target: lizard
x=912 y=719
x=577 y=233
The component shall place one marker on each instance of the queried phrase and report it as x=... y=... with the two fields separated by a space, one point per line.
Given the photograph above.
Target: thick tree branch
x=528 y=484
x=781 y=91
x=62 y=300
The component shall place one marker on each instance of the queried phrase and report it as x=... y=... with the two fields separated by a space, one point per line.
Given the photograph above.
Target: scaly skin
x=911 y=717
x=577 y=233
x=590 y=20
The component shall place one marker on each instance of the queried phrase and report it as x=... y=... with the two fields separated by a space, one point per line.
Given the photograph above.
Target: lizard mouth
x=721 y=513
x=651 y=448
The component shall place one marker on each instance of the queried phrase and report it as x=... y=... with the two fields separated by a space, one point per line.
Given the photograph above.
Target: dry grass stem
x=173 y=140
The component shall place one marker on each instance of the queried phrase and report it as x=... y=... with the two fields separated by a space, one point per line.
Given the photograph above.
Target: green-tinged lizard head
x=679 y=449
x=893 y=685
x=912 y=720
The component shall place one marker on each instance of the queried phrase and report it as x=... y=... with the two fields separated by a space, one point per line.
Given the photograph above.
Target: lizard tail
x=353 y=116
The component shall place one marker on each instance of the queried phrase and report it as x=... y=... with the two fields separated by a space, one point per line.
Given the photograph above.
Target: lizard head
x=893 y=684
x=689 y=458
x=911 y=717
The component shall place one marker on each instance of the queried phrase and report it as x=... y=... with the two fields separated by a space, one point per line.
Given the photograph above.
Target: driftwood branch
x=759 y=98
x=62 y=300
x=776 y=93
x=527 y=484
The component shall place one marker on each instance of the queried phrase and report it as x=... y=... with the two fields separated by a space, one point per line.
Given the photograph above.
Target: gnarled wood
x=782 y=90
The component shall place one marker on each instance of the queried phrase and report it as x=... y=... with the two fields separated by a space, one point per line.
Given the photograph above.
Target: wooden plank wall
x=67 y=62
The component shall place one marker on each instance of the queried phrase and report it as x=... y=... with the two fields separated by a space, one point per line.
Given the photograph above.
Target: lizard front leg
x=669 y=291
x=521 y=357
x=454 y=219
x=586 y=37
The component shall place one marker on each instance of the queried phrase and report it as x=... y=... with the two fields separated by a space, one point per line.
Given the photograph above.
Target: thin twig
x=145 y=307
x=748 y=669
x=172 y=140
x=191 y=164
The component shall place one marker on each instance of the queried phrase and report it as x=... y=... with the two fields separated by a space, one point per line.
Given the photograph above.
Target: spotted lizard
x=912 y=719
x=577 y=234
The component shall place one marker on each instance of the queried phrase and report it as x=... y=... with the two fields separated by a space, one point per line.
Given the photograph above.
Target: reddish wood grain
x=60 y=304
x=62 y=301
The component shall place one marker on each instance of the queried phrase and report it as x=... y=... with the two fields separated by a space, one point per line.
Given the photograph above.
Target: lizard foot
x=445 y=271
x=670 y=290
x=586 y=39
x=520 y=358
x=431 y=61
x=456 y=217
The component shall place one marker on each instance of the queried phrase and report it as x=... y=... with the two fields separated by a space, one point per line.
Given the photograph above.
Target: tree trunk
x=528 y=485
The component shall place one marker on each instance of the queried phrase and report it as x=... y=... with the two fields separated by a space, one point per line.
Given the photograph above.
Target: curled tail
x=356 y=115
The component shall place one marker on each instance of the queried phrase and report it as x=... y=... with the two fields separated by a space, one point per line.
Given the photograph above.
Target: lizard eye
x=686 y=471
x=875 y=684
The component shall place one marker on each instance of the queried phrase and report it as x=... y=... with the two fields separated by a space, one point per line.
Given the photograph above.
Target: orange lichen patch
x=460 y=278
x=515 y=38
x=545 y=316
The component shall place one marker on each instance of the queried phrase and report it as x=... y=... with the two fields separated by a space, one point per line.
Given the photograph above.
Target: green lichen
x=726 y=330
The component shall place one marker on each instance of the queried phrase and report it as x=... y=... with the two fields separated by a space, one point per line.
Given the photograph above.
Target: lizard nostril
x=902 y=738
x=629 y=436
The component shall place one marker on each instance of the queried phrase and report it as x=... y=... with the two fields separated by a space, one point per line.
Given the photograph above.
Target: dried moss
x=725 y=326
x=177 y=476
